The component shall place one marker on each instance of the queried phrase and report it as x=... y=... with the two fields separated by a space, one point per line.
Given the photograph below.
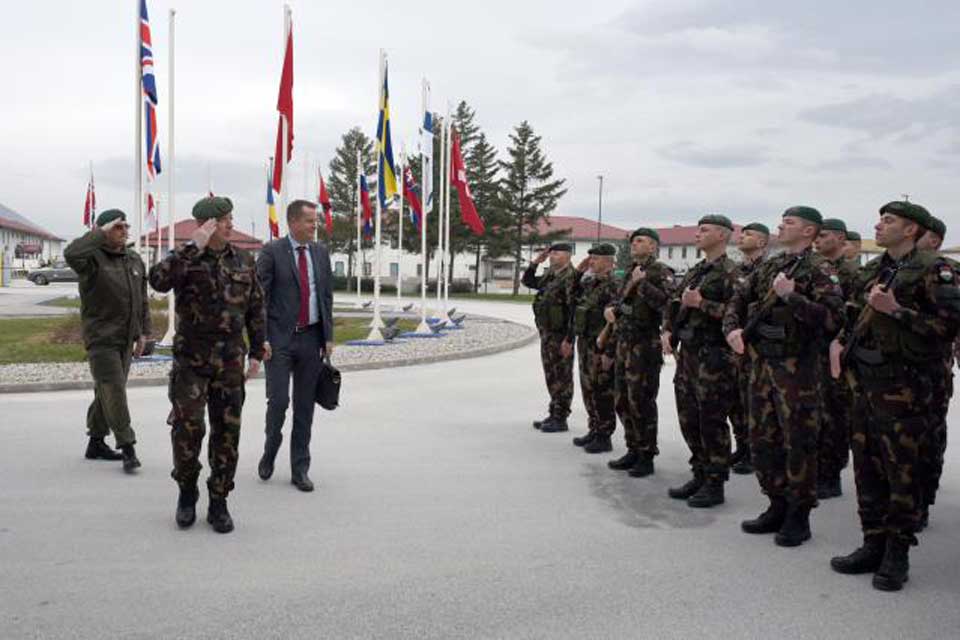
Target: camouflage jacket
x=640 y=308
x=114 y=306
x=592 y=295
x=218 y=295
x=808 y=316
x=847 y=274
x=716 y=280
x=744 y=268
x=554 y=302
x=925 y=286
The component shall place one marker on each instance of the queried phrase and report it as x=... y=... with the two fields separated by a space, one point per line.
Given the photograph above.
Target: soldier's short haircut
x=297 y=208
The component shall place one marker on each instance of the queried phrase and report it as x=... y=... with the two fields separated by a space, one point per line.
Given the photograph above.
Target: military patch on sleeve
x=834 y=279
x=946 y=275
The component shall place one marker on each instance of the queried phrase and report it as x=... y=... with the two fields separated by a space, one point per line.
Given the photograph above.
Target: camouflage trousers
x=738 y=408
x=596 y=387
x=892 y=421
x=558 y=373
x=636 y=385
x=784 y=415
x=218 y=389
x=705 y=385
x=932 y=454
x=833 y=443
x=109 y=367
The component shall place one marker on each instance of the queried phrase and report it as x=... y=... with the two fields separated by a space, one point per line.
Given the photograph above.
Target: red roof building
x=184 y=229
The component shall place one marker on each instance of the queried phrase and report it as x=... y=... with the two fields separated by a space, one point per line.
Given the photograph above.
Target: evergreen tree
x=342 y=186
x=528 y=192
x=482 y=174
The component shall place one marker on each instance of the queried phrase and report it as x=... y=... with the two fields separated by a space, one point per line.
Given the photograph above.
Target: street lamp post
x=599 y=207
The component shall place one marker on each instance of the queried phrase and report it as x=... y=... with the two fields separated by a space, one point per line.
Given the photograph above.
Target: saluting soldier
x=705 y=382
x=833 y=444
x=791 y=302
x=752 y=243
x=596 y=288
x=218 y=296
x=551 y=309
x=904 y=307
x=115 y=312
x=636 y=318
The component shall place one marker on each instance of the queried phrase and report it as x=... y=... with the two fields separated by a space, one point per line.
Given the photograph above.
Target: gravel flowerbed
x=479 y=336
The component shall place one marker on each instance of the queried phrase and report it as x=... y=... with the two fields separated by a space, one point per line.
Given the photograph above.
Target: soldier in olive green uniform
x=552 y=309
x=905 y=305
x=834 y=442
x=851 y=248
x=115 y=312
x=705 y=382
x=752 y=243
x=218 y=296
x=790 y=304
x=596 y=289
x=636 y=318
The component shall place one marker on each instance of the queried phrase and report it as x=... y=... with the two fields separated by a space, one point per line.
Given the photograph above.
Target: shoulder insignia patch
x=946 y=275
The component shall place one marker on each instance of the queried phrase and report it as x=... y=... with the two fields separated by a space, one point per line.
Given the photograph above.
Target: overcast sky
x=743 y=107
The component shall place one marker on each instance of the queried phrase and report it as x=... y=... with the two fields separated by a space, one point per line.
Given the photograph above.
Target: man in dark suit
x=297 y=283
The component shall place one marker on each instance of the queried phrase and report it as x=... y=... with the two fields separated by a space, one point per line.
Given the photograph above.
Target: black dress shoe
x=97 y=449
x=130 y=461
x=303 y=482
x=265 y=468
x=187 y=507
x=218 y=516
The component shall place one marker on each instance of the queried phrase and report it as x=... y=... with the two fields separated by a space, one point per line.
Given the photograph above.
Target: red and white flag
x=458 y=179
x=285 y=107
x=90 y=205
x=326 y=206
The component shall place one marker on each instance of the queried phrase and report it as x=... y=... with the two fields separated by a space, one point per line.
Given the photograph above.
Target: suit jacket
x=277 y=268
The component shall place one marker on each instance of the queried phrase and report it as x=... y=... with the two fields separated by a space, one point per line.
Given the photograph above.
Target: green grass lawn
x=524 y=298
x=66 y=302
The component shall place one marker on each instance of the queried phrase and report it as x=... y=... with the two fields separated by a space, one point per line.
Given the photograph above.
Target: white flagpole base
x=423 y=327
x=167 y=340
x=377 y=322
x=375 y=335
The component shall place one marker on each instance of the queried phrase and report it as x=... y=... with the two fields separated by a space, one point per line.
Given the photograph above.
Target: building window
x=683 y=253
x=394 y=269
x=669 y=253
x=339 y=268
x=367 y=269
x=420 y=270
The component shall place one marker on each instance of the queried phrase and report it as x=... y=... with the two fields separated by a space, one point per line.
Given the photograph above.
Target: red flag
x=90 y=205
x=458 y=178
x=412 y=193
x=327 y=207
x=285 y=107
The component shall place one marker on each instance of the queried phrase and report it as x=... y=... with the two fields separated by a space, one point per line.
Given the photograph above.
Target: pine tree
x=528 y=192
x=342 y=185
x=482 y=174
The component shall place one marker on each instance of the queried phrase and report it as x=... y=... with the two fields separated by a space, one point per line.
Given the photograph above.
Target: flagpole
x=448 y=253
x=424 y=214
x=403 y=162
x=440 y=235
x=284 y=144
x=357 y=255
x=167 y=339
x=138 y=132
x=377 y=323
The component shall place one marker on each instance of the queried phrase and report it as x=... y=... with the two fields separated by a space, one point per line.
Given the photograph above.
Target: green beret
x=909 y=211
x=758 y=227
x=109 y=216
x=646 y=231
x=937 y=226
x=562 y=246
x=853 y=236
x=834 y=224
x=604 y=249
x=212 y=207
x=807 y=213
x=717 y=219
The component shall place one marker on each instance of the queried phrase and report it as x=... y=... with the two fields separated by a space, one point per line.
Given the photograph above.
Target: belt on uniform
x=306 y=327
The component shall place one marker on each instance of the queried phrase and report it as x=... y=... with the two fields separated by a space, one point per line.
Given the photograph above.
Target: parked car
x=56 y=272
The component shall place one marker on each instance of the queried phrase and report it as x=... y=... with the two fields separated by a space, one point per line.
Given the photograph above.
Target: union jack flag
x=148 y=82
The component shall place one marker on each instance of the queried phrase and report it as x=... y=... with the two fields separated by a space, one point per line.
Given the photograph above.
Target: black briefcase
x=328 y=386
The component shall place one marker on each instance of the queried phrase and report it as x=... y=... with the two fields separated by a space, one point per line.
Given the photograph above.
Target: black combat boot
x=623 y=463
x=924 y=518
x=741 y=463
x=97 y=449
x=130 y=461
x=600 y=444
x=685 y=491
x=770 y=520
x=866 y=559
x=829 y=487
x=186 y=506
x=554 y=425
x=643 y=466
x=710 y=494
x=218 y=516
x=894 y=569
x=585 y=439
x=539 y=423
x=796 y=527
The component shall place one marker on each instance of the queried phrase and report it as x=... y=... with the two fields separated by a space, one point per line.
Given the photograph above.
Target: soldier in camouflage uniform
x=552 y=309
x=636 y=318
x=115 y=312
x=905 y=305
x=752 y=243
x=595 y=289
x=705 y=382
x=931 y=458
x=851 y=248
x=218 y=295
x=834 y=442
x=788 y=306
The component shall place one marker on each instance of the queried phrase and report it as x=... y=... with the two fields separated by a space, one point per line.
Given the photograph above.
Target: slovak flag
x=326 y=206
x=148 y=84
x=367 y=210
x=412 y=193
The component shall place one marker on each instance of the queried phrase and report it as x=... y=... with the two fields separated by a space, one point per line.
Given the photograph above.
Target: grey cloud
x=854 y=163
x=881 y=115
x=695 y=155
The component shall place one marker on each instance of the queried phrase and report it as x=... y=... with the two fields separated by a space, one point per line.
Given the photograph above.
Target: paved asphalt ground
x=440 y=513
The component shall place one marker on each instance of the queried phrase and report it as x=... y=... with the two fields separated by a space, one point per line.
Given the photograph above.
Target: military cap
x=853 y=236
x=807 y=213
x=109 y=216
x=758 y=227
x=212 y=207
x=604 y=249
x=937 y=226
x=834 y=224
x=562 y=246
x=646 y=231
x=909 y=211
x=717 y=219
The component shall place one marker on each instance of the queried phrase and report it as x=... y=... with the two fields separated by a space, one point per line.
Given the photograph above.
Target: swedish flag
x=386 y=170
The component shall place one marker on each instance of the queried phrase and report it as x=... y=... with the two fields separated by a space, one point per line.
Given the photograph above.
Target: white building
x=26 y=243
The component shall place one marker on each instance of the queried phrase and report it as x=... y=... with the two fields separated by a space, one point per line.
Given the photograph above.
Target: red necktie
x=304 y=318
